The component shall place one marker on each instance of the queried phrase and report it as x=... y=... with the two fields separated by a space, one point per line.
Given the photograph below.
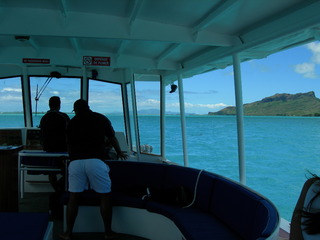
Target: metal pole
x=26 y=98
x=183 y=121
x=128 y=127
x=84 y=84
x=239 y=107
x=135 y=117
x=163 y=117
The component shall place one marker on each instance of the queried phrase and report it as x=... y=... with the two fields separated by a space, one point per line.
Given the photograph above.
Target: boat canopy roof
x=156 y=37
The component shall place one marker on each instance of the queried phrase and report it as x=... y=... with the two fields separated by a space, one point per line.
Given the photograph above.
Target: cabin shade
x=159 y=37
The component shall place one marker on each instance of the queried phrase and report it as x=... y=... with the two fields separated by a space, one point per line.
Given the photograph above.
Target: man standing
x=86 y=134
x=53 y=127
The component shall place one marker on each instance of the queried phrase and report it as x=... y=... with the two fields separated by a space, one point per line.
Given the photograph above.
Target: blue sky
x=291 y=71
x=296 y=70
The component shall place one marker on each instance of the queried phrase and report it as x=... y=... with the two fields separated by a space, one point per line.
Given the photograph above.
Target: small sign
x=36 y=60
x=96 y=61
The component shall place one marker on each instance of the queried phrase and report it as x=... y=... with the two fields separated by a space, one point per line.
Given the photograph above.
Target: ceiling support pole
x=135 y=114
x=240 y=118
x=127 y=75
x=183 y=121
x=26 y=98
x=163 y=117
x=84 y=84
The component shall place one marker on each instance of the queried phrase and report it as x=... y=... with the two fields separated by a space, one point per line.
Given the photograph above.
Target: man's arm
x=114 y=142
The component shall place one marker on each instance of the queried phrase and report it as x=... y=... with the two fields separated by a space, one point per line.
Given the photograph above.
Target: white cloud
x=11 y=90
x=306 y=69
x=197 y=105
x=10 y=98
x=209 y=92
x=209 y=106
x=315 y=49
x=153 y=103
x=55 y=93
x=190 y=107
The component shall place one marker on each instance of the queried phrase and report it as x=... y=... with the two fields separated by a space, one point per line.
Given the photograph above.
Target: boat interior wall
x=107 y=74
x=10 y=137
x=30 y=138
x=146 y=77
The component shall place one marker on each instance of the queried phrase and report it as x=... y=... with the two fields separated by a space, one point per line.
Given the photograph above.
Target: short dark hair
x=54 y=102
x=80 y=105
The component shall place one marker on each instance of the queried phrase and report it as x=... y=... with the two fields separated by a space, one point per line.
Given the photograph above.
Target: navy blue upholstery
x=220 y=209
x=239 y=208
x=127 y=176
x=17 y=226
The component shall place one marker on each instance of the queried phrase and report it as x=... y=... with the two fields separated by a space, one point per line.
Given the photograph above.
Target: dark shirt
x=53 y=131
x=87 y=133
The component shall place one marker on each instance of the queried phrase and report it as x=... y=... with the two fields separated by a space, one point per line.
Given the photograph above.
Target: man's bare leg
x=72 y=212
x=106 y=213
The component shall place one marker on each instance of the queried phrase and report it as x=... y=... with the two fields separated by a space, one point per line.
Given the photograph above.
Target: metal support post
x=239 y=107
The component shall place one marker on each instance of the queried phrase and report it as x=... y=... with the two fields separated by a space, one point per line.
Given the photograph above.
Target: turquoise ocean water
x=279 y=151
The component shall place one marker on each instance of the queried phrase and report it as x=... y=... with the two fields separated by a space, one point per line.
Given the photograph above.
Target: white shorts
x=87 y=174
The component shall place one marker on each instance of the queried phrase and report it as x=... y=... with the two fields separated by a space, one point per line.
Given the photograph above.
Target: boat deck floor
x=39 y=202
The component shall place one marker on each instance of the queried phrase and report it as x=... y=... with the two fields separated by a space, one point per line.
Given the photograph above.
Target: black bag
x=177 y=196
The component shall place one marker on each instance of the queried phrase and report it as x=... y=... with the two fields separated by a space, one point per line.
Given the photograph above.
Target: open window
x=106 y=98
x=68 y=89
x=11 y=104
x=148 y=108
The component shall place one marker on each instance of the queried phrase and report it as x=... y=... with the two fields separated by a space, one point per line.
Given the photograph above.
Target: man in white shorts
x=86 y=136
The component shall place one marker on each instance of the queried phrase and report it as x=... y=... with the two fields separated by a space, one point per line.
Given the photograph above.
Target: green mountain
x=300 y=104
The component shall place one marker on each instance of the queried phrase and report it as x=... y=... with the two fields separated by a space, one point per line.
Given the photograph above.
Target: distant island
x=300 y=104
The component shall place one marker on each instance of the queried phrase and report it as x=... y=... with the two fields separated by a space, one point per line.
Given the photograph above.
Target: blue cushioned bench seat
x=18 y=226
x=213 y=208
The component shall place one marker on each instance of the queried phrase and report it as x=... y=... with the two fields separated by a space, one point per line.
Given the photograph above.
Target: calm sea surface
x=279 y=150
